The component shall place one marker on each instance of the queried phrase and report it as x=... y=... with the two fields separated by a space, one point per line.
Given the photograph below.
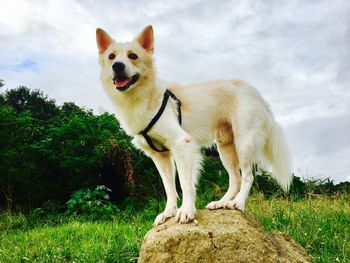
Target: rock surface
x=219 y=236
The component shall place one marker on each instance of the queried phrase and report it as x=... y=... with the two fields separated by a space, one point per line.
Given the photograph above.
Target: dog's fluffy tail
x=278 y=156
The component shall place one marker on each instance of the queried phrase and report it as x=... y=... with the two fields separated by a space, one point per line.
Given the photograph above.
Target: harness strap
x=154 y=120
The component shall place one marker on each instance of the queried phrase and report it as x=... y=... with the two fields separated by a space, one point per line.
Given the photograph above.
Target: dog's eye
x=133 y=56
x=111 y=56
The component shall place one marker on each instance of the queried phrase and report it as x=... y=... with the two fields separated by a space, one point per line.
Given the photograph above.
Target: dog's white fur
x=231 y=114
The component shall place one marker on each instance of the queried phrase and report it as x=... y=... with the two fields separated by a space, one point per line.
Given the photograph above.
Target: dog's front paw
x=185 y=214
x=162 y=217
x=216 y=205
x=237 y=203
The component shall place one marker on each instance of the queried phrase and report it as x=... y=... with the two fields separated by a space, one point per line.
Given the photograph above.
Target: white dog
x=171 y=122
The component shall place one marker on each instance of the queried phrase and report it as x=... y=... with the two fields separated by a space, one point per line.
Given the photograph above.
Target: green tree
x=24 y=99
x=15 y=166
x=48 y=152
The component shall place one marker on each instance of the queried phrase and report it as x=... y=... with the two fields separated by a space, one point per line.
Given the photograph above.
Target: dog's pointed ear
x=146 y=39
x=103 y=40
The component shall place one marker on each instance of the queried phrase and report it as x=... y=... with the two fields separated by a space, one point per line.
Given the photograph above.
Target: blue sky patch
x=27 y=65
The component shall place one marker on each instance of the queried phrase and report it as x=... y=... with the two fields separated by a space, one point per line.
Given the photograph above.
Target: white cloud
x=296 y=53
x=320 y=147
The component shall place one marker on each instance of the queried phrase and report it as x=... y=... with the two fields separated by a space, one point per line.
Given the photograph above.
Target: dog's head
x=124 y=66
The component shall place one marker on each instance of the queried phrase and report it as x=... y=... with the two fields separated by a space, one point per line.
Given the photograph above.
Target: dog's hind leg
x=246 y=157
x=247 y=181
x=166 y=168
x=228 y=155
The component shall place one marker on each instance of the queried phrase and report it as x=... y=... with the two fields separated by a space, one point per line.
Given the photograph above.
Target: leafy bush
x=95 y=203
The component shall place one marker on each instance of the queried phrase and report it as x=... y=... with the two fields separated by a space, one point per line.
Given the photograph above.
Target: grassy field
x=320 y=224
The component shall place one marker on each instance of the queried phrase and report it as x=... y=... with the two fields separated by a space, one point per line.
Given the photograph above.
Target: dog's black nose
x=118 y=67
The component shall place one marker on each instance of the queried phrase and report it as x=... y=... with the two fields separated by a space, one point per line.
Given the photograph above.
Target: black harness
x=154 y=120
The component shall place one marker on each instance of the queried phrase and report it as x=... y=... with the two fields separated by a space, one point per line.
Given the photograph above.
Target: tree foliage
x=47 y=152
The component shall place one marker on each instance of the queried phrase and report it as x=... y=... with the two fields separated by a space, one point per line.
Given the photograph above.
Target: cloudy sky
x=296 y=53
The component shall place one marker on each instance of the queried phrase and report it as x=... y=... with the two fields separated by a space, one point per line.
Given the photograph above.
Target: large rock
x=219 y=236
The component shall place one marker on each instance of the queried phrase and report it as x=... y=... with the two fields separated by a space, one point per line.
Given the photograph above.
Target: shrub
x=95 y=204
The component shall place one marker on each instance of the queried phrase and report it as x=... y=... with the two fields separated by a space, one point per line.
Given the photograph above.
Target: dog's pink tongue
x=121 y=83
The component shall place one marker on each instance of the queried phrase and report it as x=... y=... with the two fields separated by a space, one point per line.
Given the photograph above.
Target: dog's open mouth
x=123 y=82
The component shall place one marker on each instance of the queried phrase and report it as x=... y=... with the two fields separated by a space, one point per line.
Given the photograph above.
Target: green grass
x=76 y=240
x=321 y=225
